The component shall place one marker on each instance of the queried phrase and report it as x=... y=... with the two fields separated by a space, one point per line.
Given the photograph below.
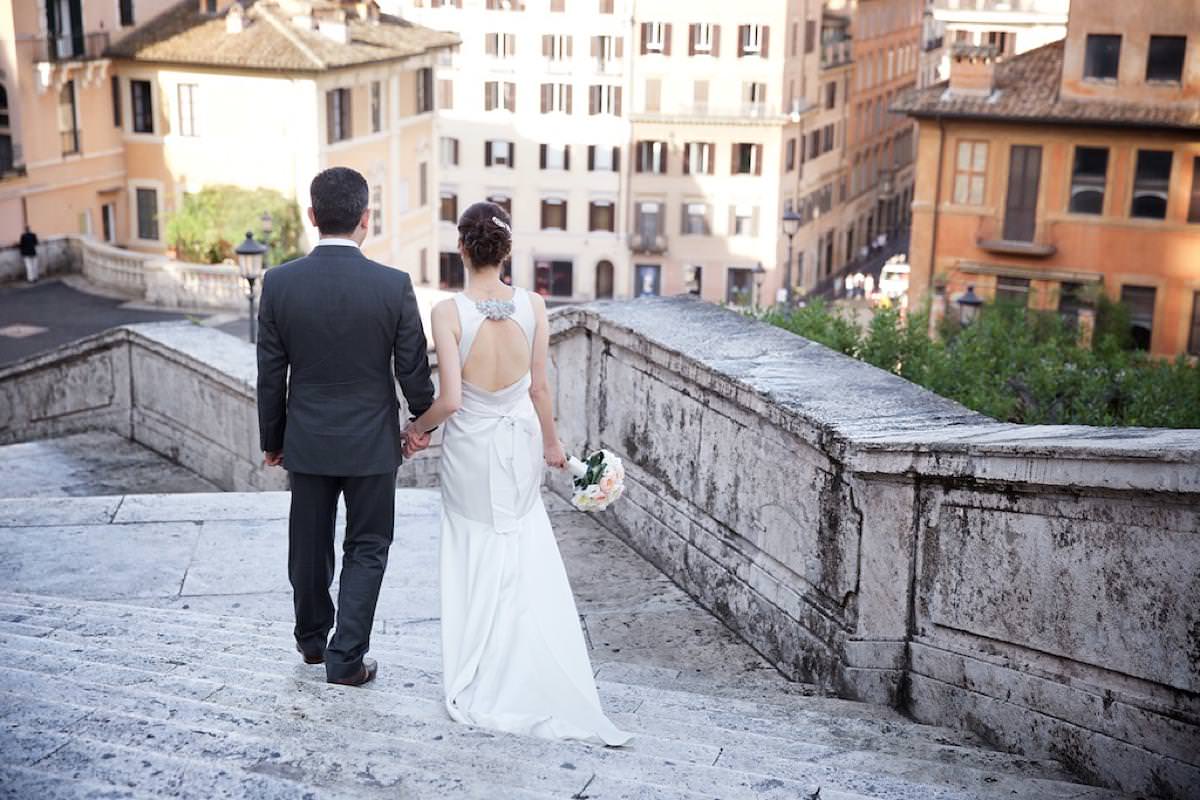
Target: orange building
x=1074 y=165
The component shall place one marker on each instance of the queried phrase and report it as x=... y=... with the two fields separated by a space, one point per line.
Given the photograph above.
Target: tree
x=215 y=219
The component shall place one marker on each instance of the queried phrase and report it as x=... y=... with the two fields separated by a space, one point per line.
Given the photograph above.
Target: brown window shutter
x=329 y=126
x=512 y=154
x=570 y=49
x=687 y=160
x=638 y=152
x=456 y=151
x=617 y=101
x=754 y=222
x=547 y=90
x=716 y=40
x=645 y=36
x=595 y=47
x=733 y=159
x=542 y=156
x=566 y=156
x=545 y=209
x=764 y=44
x=569 y=93
x=616 y=159
x=619 y=47
x=489 y=44
x=547 y=45
x=591 y=157
x=742 y=40
x=593 y=98
x=692 y=39
x=667 y=39
x=510 y=96
x=662 y=159
x=347 y=116
x=758 y=151
x=487 y=154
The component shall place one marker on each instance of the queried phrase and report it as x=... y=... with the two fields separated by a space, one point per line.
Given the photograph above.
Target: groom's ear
x=312 y=216
x=365 y=222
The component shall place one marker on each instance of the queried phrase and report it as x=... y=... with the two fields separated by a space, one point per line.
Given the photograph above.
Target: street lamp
x=250 y=264
x=968 y=306
x=791 y=226
x=759 y=274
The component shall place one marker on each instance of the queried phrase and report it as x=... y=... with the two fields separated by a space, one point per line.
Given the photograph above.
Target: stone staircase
x=108 y=700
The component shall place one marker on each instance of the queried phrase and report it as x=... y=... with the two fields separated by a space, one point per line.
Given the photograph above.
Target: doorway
x=1020 y=207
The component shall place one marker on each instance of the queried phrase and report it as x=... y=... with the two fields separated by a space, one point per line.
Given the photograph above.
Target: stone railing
x=57 y=255
x=1035 y=584
x=178 y=284
x=116 y=268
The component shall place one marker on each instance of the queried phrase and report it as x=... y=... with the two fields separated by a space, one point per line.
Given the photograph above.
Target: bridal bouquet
x=599 y=480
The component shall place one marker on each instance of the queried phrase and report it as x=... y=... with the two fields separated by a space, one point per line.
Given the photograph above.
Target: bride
x=513 y=653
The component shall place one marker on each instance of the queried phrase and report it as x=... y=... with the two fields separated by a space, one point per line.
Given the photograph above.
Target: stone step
x=762 y=763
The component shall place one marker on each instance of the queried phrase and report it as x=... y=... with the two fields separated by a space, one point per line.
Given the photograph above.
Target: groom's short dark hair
x=339 y=198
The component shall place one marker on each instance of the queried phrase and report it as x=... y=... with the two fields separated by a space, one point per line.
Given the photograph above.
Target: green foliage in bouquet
x=214 y=220
x=595 y=468
x=1018 y=365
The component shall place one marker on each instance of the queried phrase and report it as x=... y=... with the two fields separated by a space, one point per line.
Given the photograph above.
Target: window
x=754 y=97
x=187 y=109
x=1139 y=300
x=553 y=278
x=601 y=216
x=68 y=121
x=558 y=6
x=445 y=94
x=554 y=214
x=606 y=49
x=970 y=172
x=649 y=222
x=1069 y=302
x=337 y=115
x=498 y=153
x=555 y=156
x=656 y=38
x=745 y=220
x=752 y=40
x=695 y=219
x=704 y=38
x=448 y=207
x=1088 y=179
x=556 y=97
x=423 y=184
x=694 y=278
x=147 y=214
x=116 y=104
x=700 y=96
x=1150 y=183
x=789 y=155
x=1102 y=57
x=499 y=95
x=747 y=159
x=831 y=94
x=739 y=286
x=557 y=47
x=376 y=210
x=502 y=200
x=500 y=45
x=376 y=106
x=1012 y=291
x=126 y=13
x=602 y=158
x=424 y=78
x=647 y=280
x=698 y=158
x=810 y=35
x=448 y=150
x=1194 y=331
x=450 y=271
x=1194 y=205
x=604 y=100
x=651 y=157
x=142 y=106
x=653 y=94
x=108 y=221
x=606 y=6
x=1164 y=61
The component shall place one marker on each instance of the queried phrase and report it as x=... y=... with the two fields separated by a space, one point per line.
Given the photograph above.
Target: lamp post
x=759 y=274
x=250 y=265
x=968 y=306
x=791 y=226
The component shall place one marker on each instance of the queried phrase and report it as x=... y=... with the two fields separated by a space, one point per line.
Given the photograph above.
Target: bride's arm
x=444 y=321
x=539 y=388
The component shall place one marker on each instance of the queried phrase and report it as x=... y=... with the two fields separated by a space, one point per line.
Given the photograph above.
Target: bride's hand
x=554 y=455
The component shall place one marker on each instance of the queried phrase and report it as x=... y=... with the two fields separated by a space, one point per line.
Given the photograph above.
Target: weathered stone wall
x=1035 y=584
x=57 y=255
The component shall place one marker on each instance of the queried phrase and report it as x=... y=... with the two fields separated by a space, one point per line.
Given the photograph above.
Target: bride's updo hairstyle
x=486 y=233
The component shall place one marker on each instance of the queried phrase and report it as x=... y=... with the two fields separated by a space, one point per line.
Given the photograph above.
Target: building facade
x=1069 y=170
x=1012 y=27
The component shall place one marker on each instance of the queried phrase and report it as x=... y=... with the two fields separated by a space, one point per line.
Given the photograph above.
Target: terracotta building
x=1075 y=164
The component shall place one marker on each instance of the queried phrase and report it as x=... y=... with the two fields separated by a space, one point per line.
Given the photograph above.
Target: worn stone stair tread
x=926 y=794
x=676 y=700
x=23 y=783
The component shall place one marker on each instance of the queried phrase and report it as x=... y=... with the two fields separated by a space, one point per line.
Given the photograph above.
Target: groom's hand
x=414 y=442
x=273 y=459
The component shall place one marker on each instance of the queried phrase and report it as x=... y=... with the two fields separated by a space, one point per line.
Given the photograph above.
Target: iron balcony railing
x=71 y=46
x=837 y=53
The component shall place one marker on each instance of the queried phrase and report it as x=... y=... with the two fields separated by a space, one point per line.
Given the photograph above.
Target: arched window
x=604 y=279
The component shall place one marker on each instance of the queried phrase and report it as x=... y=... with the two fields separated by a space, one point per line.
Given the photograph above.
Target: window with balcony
x=554 y=278
x=448 y=151
x=556 y=98
x=147 y=213
x=1194 y=203
x=695 y=218
x=1164 y=59
x=601 y=216
x=656 y=38
x=498 y=153
x=745 y=220
x=424 y=78
x=554 y=214
x=747 y=159
x=555 y=156
x=187 y=108
x=1088 y=178
x=651 y=157
x=376 y=210
x=699 y=158
x=451 y=274
x=1150 y=183
x=557 y=47
x=1139 y=300
x=500 y=45
x=448 y=207
x=602 y=158
x=142 y=106
x=753 y=40
x=704 y=38
x=1102 y=56
x=376 y=106
x=68 y=119
x=970 y=173
x=604 y=100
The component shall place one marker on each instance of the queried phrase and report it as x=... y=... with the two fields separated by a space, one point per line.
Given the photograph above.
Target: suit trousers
x=370 y=518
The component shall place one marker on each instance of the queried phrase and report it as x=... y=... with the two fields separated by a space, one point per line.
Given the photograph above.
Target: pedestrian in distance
x=29 y=254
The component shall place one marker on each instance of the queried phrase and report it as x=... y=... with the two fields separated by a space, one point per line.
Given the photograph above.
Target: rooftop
x=271 y=40
x=1027 y=90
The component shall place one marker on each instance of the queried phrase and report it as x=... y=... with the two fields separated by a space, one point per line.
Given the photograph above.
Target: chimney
x=973 y=70
x=235 y=18
x=331 y=23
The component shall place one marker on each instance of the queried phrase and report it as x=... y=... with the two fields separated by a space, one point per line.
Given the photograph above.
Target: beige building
x=211 y=92
x=1010 y=26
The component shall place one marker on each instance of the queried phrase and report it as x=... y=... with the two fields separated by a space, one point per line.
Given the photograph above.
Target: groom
x=332 y=326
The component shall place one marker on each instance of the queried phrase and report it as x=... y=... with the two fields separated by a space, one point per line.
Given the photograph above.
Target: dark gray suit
x=332 y=326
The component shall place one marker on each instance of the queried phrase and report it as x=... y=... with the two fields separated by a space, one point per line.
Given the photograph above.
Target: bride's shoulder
x=535 y=300
x=444 y=309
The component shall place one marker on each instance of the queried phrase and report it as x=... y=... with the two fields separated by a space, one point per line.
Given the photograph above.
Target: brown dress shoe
x=310 y=658
x=370 y=667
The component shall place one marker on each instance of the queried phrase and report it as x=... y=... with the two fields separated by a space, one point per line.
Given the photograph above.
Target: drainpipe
x=937 y=198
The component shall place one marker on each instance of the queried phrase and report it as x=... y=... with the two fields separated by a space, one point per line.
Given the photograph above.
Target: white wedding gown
x=513 y=654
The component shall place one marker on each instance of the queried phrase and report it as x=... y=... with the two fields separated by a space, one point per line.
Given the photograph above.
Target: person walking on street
x=29 y=254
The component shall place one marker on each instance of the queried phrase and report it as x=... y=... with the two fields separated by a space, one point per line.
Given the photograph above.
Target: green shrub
x=214 y=220
x=1018 y=365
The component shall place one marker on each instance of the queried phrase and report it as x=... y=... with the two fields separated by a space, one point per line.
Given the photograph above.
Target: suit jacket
x=332 y=326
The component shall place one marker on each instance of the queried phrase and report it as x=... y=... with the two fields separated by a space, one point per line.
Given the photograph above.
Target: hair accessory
x=501 y=223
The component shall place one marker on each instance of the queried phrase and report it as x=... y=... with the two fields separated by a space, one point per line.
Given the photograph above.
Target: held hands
x=414 y=441
x=554 y=455
x=273 y=458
